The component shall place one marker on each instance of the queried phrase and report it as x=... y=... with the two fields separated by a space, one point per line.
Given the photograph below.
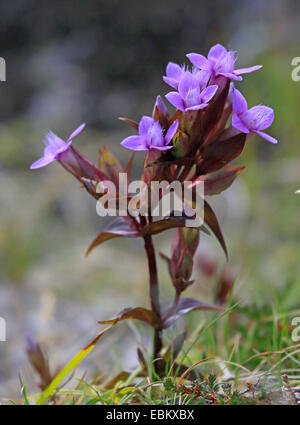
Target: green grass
x=226 y=352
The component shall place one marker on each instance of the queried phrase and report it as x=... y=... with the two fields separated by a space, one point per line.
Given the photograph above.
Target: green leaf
x=76 y=360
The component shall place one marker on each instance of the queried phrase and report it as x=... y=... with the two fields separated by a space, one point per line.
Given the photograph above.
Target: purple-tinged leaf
x=219 y=127
x=219 y=181
x=169 y=160
x=129 y=166
x=185 y=306
x=211 y=220
x=215 y=109
x=138 y=313
x=109 y=164
x=119 y=228
x=85 y=168
x=167 y=223
x=130 y=122
x=220 y=153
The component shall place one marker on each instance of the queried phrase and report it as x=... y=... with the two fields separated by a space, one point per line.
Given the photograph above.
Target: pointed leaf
x=167 y=223
x=184 y=306
x=211 y=220
x=142 y=361
x=129 y=166
x=219 y=181
x=169 y=160
x=119 y=228
x=220 y=153
x=76 y=360
x=109 y=164
x=130 y=122
x=121 y=377
x=218 y=128
x=216 y=106
x=182 y=145
x=87 y=169
x=138 y=313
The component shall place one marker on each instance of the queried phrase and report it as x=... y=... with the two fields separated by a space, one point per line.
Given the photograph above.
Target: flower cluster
x=196 y=143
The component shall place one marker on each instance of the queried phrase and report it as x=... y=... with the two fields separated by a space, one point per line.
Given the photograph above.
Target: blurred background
x=91 y=61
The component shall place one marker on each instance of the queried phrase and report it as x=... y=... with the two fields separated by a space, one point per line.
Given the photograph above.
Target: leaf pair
x=169 y=314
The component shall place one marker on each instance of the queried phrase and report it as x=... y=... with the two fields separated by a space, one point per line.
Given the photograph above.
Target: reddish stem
x=154 y=298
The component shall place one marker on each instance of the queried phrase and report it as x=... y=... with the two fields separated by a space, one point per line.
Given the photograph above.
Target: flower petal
x=197 y=107
x=202 y=77
x=135 y=143
x=176 y=100
x=247 y=70
x=200 y=61
x=239 y=103
x=53 y=142
x=266 y=137
x=174 y=71
x=225 y=63
x=208 y=93
x=159 y=103
x=76 y=132
x=187 y=83
x=42 y=162
x=259 y=117
x=238 y=123
x=216 y=51
x=171 y=132
x=231 y=76
x=171 y=82
x=155 y=135
x=161 y=148
x=63 y=148
x=145 y=124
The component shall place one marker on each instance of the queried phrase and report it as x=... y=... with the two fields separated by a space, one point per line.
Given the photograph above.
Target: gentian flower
x=151 y=136
x=190 y=97
x=55 y=147
x=174 y=74
x=220 y=62
x=159 y=103
x=251 y=120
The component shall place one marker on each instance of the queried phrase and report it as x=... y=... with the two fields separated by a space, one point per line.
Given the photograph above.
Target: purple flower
x=55 y=147
x=151 y=136
x=159 y=103
x=220 y=62
x=190 y=97
x=174 y=73
x=251 y=120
